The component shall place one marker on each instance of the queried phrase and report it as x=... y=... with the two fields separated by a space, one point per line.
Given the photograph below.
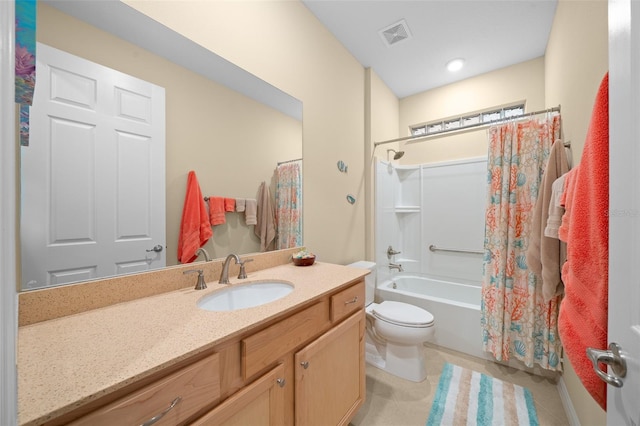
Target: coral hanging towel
x=582 y=321
x=195 y=230
x=216 y=211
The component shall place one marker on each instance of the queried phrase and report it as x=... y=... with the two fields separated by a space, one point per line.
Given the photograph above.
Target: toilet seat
x=402 y=314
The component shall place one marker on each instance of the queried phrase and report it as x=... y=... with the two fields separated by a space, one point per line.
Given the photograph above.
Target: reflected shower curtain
x=515 y=319
x=289 y=204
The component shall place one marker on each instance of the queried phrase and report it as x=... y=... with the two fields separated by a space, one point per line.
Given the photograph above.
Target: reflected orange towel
x=195 y=230
x=582 y=321
x=229 y=204
x=216 y=211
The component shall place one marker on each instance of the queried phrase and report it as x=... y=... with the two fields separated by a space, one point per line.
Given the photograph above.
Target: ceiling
x=488 y=34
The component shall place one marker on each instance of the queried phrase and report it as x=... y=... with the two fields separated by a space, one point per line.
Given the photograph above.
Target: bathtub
x=455 y=307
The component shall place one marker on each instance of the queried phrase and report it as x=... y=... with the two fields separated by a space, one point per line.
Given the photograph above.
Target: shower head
x=397 y=154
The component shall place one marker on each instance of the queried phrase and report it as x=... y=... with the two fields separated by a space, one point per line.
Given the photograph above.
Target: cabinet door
x=330 y=375
x=259 y=404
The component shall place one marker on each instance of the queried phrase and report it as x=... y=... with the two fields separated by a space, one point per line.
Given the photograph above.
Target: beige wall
x=381 y=124
x=575 y=62
x=521 y=82
x=285 y=45
x=232 y=142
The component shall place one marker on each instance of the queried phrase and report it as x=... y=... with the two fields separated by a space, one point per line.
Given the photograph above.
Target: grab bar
x=434 y=249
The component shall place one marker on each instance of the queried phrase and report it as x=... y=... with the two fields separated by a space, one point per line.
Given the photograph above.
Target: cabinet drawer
x=347 y=301
x=197 y=386
x=267 y=346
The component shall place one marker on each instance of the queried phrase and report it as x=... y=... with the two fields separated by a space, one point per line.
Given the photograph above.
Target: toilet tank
x=369 y=280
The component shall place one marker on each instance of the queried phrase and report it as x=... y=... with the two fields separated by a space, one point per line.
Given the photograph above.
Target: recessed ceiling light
x=455 y=64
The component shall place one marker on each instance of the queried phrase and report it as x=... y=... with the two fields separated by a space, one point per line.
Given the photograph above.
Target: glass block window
x=454 y=124
x=473 y=119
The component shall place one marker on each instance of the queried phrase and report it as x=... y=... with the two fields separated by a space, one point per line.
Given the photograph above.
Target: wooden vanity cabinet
x=325 y=385
x=304 y=368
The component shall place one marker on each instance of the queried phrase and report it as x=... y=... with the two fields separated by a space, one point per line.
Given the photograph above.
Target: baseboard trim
x=572 y=416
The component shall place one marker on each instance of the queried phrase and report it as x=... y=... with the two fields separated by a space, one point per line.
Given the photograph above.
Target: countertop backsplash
x=55 y=302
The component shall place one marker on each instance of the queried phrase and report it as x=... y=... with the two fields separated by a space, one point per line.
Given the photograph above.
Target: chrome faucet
x=204 y=252
x=396 y=266
x=200 y=285
x=224 y=275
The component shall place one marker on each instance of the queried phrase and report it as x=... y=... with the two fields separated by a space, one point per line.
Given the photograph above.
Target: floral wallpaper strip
x=515 y=319
x=25 y=11
x=289 y=205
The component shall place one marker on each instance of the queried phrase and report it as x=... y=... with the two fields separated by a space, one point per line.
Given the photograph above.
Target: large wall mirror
x=226 y=125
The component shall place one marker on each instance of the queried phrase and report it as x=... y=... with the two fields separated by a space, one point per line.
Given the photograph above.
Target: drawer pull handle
x=305 y=364
x=354 y=300
x=157 y=417
x=280 y=382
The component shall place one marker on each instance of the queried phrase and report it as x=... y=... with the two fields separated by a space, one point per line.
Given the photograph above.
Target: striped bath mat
x=466 y=397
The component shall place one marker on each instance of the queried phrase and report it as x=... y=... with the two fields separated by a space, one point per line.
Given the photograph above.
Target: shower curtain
x=289 y=204
x=515 y=319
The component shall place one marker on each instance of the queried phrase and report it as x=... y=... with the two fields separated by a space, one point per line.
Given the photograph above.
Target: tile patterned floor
x=392 y=401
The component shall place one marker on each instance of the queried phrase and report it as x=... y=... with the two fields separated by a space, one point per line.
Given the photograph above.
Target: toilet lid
x=402 y=314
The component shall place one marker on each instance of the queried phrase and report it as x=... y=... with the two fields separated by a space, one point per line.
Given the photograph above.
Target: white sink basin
x=245 y=296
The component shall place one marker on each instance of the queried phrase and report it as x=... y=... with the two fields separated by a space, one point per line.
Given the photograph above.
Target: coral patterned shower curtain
x=515 y=319
x=289 y=204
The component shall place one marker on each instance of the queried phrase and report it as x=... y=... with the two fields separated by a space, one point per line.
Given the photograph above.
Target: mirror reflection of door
x=93 y=188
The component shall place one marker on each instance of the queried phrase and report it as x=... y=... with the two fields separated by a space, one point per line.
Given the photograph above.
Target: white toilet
x=396 y=332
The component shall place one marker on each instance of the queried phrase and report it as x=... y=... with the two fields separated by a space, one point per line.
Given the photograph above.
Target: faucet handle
x=391 y=252
x=200 y=285
x=243 y=273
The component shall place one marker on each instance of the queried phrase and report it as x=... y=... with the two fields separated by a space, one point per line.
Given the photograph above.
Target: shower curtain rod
x=464 y=129
x=289 y=161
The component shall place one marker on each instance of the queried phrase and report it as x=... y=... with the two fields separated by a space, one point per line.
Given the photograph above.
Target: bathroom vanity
x=297 y=360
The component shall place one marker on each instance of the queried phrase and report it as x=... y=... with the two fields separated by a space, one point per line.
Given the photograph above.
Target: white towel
x=556 y=210
x=240 y=204
x=251 y=208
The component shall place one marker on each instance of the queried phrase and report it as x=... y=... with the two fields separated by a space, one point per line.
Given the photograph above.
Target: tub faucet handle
x=391 y=252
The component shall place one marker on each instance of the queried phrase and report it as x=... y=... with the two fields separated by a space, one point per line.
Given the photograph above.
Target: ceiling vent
x=395 y=33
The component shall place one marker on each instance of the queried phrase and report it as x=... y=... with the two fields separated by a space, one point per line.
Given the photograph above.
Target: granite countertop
x=67 y=362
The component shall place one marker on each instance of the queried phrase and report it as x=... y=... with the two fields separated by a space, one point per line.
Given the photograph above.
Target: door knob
x=157 y=249
x=613 y=359
x=305 y=364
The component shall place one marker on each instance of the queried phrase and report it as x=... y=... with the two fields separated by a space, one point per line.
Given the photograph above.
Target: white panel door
x=624 y=208
x=93 y=186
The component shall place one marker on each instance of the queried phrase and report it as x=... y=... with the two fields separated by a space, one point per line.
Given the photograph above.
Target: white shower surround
x=441 y=204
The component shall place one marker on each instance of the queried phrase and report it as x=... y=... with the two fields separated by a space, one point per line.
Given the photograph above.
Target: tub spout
x=396 y=266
